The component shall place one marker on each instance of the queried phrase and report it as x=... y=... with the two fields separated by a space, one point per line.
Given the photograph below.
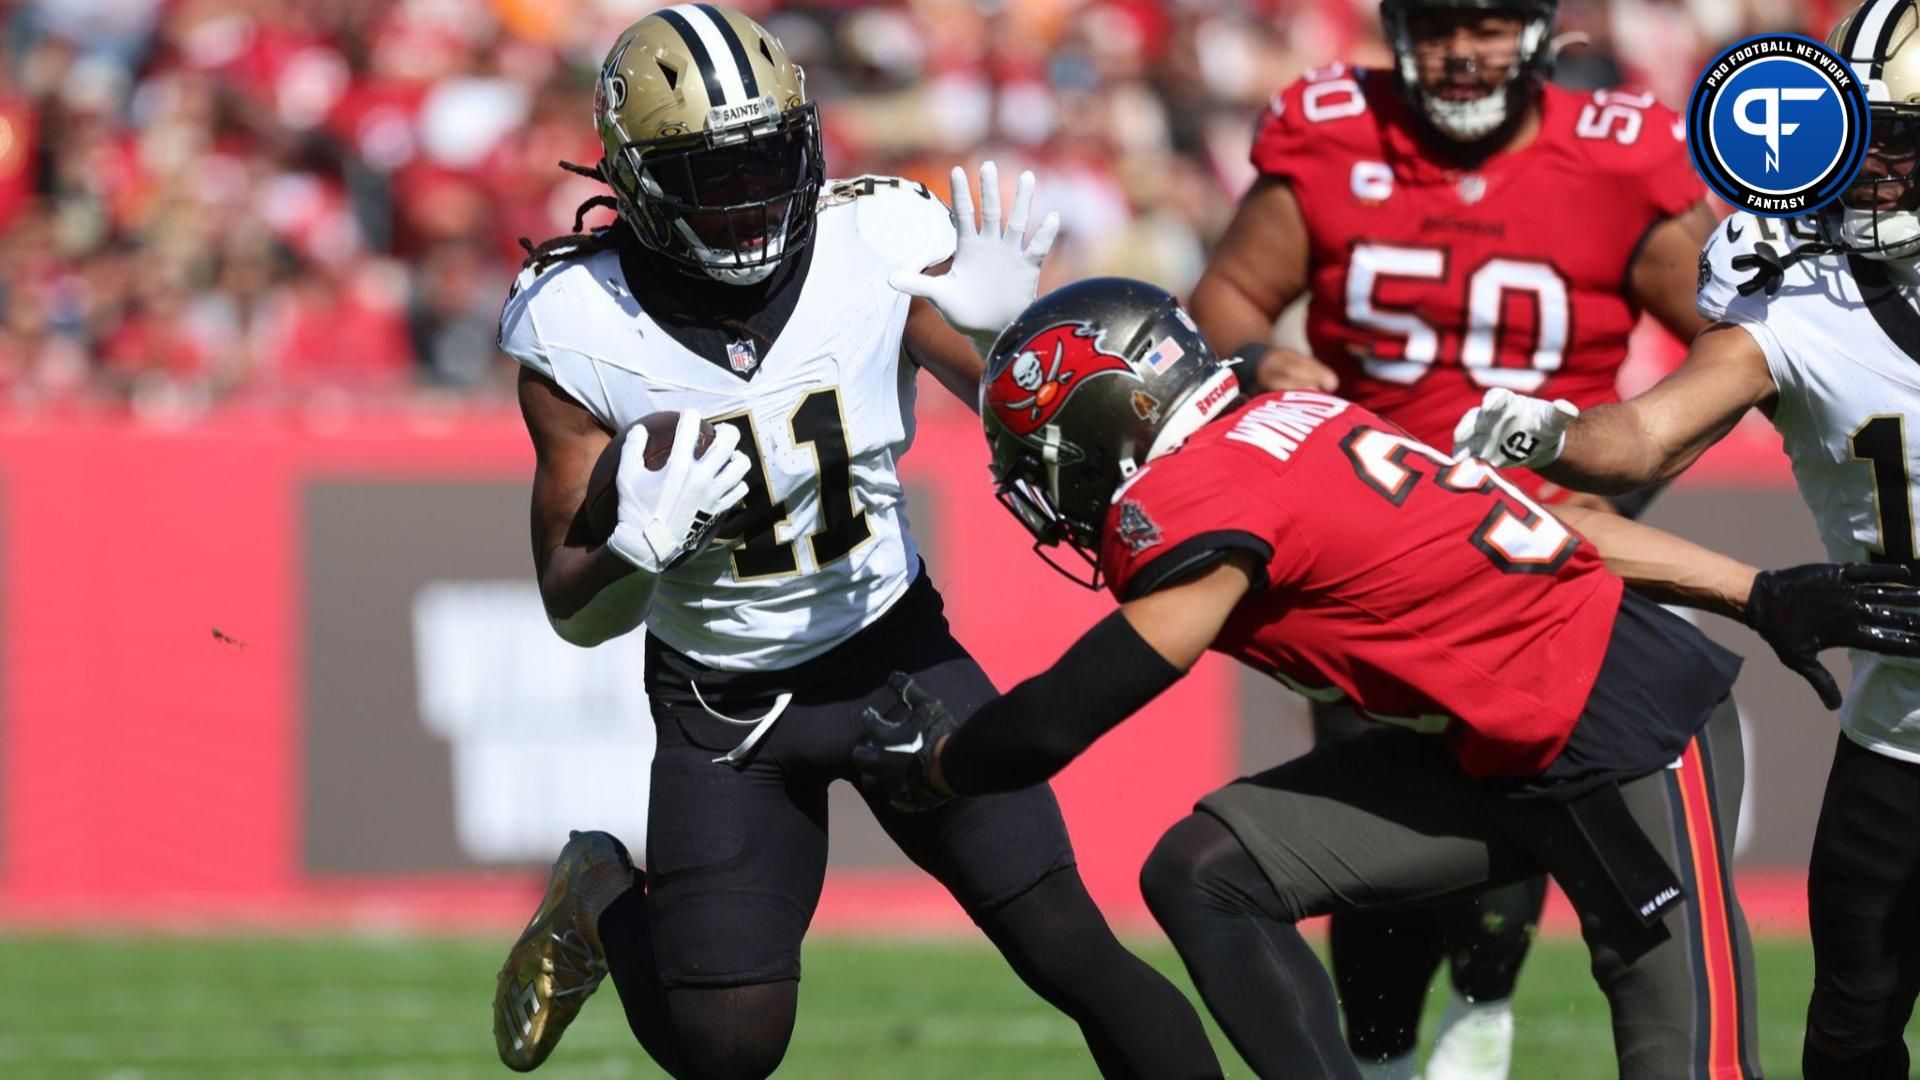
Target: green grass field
x=128 y=1008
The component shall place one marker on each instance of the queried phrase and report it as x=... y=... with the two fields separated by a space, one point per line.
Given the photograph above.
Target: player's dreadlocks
x=575 y=244
x=578 y=244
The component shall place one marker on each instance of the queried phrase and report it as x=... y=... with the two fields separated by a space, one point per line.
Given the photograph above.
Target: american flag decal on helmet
x=1165 y=355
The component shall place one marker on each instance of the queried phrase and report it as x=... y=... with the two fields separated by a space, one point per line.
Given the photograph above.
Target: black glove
x=895 y=757
x=1804 y=609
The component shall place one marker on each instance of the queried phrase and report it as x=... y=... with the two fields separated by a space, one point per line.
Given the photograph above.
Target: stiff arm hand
x=995 y=270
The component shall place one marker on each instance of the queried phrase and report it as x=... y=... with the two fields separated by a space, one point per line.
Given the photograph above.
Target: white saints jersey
x=825 y=416
x=1843 y=344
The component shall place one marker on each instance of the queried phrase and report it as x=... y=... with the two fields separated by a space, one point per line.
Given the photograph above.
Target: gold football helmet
x=711 y=146
x=1879 y=216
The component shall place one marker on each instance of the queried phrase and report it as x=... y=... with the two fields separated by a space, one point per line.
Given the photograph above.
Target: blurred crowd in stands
x=258 y=201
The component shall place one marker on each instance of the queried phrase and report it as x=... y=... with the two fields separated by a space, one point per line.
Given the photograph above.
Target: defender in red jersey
x=1531 y=706
x=1438 y=269
x=1429 y=592
x=1458 y=224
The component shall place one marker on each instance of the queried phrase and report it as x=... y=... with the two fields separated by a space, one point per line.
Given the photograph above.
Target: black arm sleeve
x=1024 y=736
x=1631 y=504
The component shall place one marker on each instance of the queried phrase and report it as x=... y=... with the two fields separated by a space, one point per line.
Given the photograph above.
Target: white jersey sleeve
x=519 y=335
x=899 y=219
x=538 y=307
x=1720 y=299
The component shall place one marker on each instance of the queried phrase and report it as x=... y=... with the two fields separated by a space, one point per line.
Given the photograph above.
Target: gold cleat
x=558 y=960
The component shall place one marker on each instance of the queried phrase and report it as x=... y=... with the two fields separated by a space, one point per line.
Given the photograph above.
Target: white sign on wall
x=546 y=736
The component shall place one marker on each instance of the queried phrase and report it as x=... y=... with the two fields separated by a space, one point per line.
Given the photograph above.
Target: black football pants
x=1863 y=894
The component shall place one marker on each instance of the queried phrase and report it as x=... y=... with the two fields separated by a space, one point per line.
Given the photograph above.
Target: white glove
x=667 y=515
x=993 y=278
x=1511 y=430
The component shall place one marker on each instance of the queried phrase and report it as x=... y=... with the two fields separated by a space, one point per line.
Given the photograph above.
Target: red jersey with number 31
x=1432 y=284
x=1432 y=594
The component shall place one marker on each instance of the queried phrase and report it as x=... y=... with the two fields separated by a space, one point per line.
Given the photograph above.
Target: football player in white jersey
x=1814 y=323
x=740 y=287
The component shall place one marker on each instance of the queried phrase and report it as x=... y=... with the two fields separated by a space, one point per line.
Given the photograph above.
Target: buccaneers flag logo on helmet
x=1045 y=372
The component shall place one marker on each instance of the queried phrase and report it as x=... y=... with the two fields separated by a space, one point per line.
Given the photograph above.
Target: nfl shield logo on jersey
x=742 y=357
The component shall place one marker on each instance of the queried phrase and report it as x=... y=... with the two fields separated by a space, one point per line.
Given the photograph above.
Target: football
x=603 y=500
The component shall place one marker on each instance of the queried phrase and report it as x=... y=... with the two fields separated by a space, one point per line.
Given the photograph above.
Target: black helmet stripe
x=701 y=58
x=1885 y=45
x=737 y=48
x=1871 y=34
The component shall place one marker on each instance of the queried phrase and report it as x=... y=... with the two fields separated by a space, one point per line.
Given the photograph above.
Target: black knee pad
x=1055 y=939
x=1199 y=867
x=1864 y=1016
x=1887 y=1061
x=1164 y=878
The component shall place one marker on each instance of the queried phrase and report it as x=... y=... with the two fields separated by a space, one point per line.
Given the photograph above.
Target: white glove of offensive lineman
x=1513 y=430
x=667 y=514
x=993 y=278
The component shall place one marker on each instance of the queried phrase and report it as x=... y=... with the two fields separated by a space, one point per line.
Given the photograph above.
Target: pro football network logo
x=1046 y=371
x=1777 y=125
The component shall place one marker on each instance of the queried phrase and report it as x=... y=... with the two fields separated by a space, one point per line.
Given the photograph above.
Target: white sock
x=1475 y=1041
x=1404 y=1067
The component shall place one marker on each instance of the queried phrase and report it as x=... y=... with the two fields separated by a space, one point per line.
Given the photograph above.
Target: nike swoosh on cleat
x=909 y=748
x=1733 y=234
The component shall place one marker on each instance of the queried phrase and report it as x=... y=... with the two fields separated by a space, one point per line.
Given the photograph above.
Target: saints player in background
x=739 y=287
x=1814 y=325
x=1458 y=223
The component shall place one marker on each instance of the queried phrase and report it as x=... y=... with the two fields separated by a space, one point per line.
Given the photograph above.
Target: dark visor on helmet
x=736 y=193
x=1892 y=161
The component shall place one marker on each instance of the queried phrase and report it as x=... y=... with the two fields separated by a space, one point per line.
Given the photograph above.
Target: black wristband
x=1029 y=733
x=1247 y=370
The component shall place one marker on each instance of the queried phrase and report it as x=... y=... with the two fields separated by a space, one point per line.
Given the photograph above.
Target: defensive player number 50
x=1374 y=265
x=818 y=423
x=1518 y=536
